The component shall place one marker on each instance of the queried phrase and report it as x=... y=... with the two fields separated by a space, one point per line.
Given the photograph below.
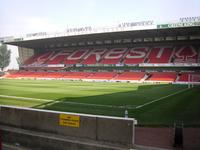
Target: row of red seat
x=190 y=77
x=136 y=55
x=154 y=76
x=163 y=76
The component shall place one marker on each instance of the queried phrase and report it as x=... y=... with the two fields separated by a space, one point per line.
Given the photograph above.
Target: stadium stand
x=186 y=54
x=136 y=55
x=55 y=75
x=127 y=56
x=160 y=55
x=76 y=75
x=94 y=56
x=163 y=76
x=113 y=56
x=76 y=57
x=124 y=76
x=102 y=75
x=59 y=57
x=183 y=77
x=130 y=76
x=189 y=77
x=46 y=64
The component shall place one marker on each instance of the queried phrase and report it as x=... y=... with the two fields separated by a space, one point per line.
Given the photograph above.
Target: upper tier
x=127 y=56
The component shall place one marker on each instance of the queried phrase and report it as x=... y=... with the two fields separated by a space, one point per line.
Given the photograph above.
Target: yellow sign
x=69 y=120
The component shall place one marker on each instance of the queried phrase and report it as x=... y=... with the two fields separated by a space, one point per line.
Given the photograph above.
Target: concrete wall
x=154 y=137
x=0 y=140
x=105 y=130
x=163 y=138
x=191 y=138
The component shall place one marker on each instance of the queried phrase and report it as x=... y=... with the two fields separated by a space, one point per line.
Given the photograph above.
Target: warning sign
x=69 y=120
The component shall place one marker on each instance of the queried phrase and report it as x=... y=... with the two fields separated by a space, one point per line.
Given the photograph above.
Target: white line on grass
x=159 y=99
x=96 y=105
x=25 y=98
x=56 y=101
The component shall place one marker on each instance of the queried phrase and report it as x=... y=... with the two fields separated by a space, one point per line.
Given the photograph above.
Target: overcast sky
x=20 y=17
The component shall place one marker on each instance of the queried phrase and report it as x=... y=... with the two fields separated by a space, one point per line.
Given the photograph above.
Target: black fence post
x=178 y=135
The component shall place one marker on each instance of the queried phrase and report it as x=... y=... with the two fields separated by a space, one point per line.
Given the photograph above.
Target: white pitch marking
x=56 y=101
x=97 y=105
x=140 y=106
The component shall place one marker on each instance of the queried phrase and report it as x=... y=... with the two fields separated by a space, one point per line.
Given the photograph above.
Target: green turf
x=115 y=98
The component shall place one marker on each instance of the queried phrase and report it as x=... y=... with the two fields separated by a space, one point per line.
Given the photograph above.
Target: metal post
x=189 y=76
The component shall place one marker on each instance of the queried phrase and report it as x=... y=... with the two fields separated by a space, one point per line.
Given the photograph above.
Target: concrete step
x=19 y=138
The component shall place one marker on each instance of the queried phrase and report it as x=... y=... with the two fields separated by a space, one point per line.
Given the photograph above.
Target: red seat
x=93 y=57
x=76 y=75
x=186 y=54
x=76 y=57
x=102 y=75
x=160 y=55
x=130 y=76
x=136 y=55
x=113 y=56
x=192 y=77
x=184 y=77
x=163 y=76
x=59 y=57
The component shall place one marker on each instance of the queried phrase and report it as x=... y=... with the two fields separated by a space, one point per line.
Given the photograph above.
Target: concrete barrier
x=0 y=140
x=112 y=131
x=163 y=138
x=157 y=137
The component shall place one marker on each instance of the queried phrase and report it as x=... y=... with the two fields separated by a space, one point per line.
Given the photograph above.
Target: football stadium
x=132 y=86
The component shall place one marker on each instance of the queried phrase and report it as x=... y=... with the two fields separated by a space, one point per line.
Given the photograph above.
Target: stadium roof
x=82 y=40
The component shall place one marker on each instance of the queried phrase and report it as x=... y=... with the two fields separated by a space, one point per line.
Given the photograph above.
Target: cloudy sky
x=20 y=17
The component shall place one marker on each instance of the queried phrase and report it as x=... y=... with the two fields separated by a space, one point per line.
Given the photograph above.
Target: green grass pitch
x=150 y=104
